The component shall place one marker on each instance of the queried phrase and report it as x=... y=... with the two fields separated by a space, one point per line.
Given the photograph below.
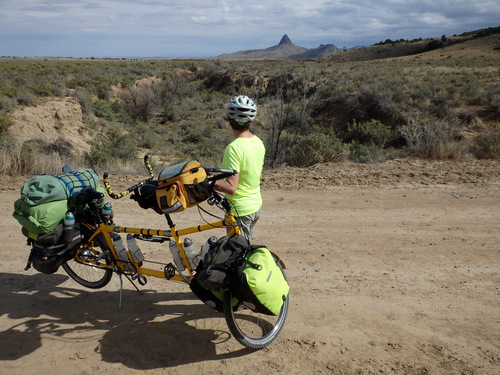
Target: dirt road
x=396 y=276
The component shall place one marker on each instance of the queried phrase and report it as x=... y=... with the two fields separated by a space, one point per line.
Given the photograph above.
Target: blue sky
x=196 y=28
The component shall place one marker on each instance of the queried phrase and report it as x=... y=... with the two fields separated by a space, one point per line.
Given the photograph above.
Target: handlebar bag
x=182 y=186
x=259 y=283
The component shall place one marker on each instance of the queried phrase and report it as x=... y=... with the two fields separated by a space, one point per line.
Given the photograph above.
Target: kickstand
x=121 y=289
x=121 y=293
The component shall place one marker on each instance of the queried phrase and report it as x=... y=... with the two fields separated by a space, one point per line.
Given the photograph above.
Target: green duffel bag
x=39 y=219
x=259 y=282
x=48 y=188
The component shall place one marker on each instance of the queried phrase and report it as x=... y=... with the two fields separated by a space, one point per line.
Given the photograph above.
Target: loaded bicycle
x=102 y=253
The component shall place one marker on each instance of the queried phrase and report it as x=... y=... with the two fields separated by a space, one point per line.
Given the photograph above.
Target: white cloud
x=176 y=28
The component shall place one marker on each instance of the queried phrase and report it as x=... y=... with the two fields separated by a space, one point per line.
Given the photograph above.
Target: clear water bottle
x=206 y=247
x=107 y=212
x=120 y=248
x=190 y=250
x=134 y=248
x=174 y=249
x=69 y=224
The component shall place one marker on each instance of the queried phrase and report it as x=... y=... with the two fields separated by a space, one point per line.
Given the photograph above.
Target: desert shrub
x=26 y=98
x=104 y=109
x=33 y=158
x=140 y=102
x=314 y=148
x=145 y=135
x=115 y=148
x=487 y=145
x=7 y=104
x=97 y=157
x=367 y=153
x=432 y=139
x=85 y=101
x=5 y=123
x=60 y=146
x=371 y=132
x=368 y=140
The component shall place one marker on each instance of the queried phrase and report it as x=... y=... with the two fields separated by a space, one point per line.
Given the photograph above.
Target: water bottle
x=120 y=248
x=107 y=212
x=134 y=248
x=190 y=249
x=206 y=247
x=69 y=223
x=174 y=249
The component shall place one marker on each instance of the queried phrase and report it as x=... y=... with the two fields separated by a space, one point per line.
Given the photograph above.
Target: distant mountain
x=285 y=50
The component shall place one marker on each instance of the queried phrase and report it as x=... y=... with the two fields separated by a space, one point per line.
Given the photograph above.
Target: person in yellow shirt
x=245 y=154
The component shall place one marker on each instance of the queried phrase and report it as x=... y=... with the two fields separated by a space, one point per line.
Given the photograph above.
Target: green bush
x=371 y=132
x=7 y=104
x=487 y=145
x=104 y=109
x=366 y=153
x=115 y=148
x=5 y=123
x=314 y=148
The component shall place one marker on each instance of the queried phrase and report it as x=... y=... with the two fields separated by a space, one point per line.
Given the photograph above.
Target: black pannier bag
x=214 y=269
x=208 y=297
x=50 y=251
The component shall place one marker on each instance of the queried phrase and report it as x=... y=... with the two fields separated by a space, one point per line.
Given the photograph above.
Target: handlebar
x=221 y=173
x=132 y=188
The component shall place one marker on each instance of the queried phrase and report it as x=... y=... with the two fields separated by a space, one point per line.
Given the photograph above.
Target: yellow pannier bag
x=182 y=186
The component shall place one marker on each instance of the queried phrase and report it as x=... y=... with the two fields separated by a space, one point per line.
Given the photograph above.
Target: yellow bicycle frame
x=175 y=234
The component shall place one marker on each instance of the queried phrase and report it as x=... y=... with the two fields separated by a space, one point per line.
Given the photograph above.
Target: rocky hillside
x=283 y=51
x=460 y=45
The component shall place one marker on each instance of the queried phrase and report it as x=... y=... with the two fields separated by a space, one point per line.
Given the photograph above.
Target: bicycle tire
x=252 y=329
x=87 y=274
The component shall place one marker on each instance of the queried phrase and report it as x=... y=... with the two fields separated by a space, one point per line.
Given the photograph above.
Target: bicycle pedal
x=141 y=279
x=169 y=271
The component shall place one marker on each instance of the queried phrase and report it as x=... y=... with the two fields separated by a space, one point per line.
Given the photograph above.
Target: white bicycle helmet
x=242 y=109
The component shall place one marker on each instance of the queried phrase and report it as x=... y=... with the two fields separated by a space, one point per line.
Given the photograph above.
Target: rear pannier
x=41 y=210
x=52 y=249
x=259 y=282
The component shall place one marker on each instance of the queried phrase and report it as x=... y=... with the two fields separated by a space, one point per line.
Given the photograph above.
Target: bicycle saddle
x=85 y=196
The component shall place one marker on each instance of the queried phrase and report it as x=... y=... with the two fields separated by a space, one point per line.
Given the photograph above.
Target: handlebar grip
x=107 y=186
x=223 y=173
x=148 y=167
x=220 y=170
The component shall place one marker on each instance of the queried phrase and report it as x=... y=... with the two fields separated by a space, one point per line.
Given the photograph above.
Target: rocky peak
x=285 y=40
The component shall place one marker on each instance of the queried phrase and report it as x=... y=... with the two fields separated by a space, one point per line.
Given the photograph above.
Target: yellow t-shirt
x=245 y=155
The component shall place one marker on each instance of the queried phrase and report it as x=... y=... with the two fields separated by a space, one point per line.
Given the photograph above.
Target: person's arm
x=228 y=186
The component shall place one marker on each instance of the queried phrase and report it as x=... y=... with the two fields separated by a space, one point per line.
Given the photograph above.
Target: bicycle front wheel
x=252 y=329
x=84 y=267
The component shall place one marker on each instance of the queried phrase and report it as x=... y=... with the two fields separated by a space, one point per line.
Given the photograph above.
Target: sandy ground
x=394 y=269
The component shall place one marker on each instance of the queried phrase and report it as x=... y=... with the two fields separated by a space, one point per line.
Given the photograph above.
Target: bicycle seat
x=85 y=196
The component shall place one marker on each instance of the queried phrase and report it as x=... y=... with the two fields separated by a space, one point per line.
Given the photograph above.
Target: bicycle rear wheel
x=82 y=268
x=252 y=329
